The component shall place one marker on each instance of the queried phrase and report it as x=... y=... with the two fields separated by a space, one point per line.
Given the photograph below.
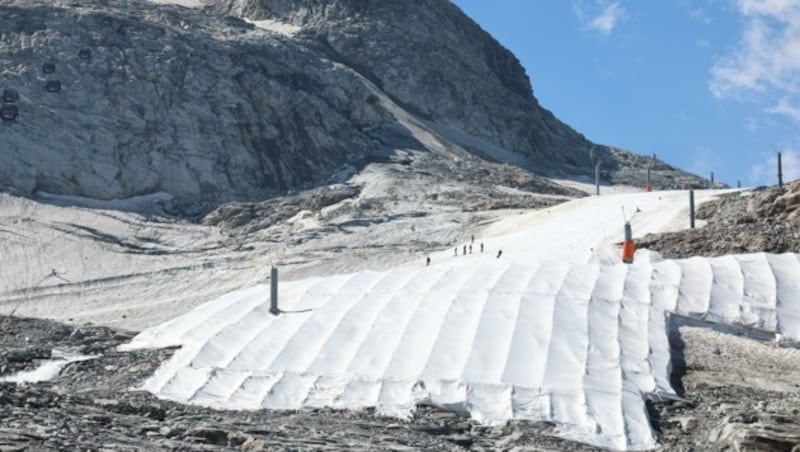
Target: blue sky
x=708 y=85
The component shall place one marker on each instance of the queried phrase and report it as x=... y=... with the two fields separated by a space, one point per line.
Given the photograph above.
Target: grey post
x=597 y=177
x=780 y=171
x=712 y=179
x=691 y=208
x=273 y=294
x=738 y=184
x=647 y=182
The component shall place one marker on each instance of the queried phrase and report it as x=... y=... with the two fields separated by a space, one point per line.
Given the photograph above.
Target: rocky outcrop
x=173 y=100
x=124 y=98
x=431 y=58
x=762 y=220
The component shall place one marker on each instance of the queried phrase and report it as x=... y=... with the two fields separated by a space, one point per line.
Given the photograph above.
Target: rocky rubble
x=472 y=186
x=766 y=219
x=740 y=392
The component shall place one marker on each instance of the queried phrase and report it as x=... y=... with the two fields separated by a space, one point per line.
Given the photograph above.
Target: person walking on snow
x=499 y=253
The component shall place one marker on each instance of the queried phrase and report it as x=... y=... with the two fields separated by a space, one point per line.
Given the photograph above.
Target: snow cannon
x=628 y=247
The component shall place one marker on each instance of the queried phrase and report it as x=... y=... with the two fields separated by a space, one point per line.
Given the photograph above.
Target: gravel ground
x=763 y=220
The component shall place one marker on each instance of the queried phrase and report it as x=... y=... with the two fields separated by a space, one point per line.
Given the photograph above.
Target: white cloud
x=702 y=43
x=766 y=173
x=700 y=15
x=784 y=107
x=602 y=16
x=765 y=65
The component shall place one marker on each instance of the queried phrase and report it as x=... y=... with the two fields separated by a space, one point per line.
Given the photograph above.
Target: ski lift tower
x=596 y=165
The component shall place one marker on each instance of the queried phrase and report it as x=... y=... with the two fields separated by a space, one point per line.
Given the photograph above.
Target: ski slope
x=553 y=330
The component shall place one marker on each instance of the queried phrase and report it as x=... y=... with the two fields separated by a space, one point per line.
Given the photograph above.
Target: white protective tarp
x=578 y=344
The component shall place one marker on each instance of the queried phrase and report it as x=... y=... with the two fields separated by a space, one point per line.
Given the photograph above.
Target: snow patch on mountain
x=283 y=28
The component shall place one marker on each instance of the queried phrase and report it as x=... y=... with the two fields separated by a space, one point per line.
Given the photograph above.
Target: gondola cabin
x=9 y=112
x=53 y=86
x=10 y=96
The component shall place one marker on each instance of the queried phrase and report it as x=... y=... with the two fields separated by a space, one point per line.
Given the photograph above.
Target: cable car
x=9 y=112
x=53 y=86
x=10 y=95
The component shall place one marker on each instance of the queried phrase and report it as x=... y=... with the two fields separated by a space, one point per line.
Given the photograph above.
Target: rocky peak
x=243 y=99
x=431 y=58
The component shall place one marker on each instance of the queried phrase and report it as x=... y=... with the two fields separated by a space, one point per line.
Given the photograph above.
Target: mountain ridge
x=207 y=105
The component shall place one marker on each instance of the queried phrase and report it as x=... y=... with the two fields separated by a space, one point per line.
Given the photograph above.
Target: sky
x=707 y=85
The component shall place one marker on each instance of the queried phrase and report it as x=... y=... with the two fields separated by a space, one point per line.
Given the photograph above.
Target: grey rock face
x=174 y=100
x=434 y=60
x=202 y=104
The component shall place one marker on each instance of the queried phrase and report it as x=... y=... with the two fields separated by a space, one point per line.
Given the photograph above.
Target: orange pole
x=628 y=249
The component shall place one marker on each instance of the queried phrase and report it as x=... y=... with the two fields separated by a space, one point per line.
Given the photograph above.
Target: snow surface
x=48 y=369
x=283 y=28
x=185 y=3
x=588 y=229
x=554 y=330
x=150 y=203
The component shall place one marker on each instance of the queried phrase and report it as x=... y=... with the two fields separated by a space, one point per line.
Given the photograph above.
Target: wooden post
x=273 y=294
x=691 y=208
x=780 y=171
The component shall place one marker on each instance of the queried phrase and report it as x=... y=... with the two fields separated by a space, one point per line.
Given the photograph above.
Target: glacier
x=571 y=338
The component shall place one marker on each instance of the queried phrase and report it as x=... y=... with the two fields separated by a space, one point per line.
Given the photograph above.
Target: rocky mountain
x=243 y=99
